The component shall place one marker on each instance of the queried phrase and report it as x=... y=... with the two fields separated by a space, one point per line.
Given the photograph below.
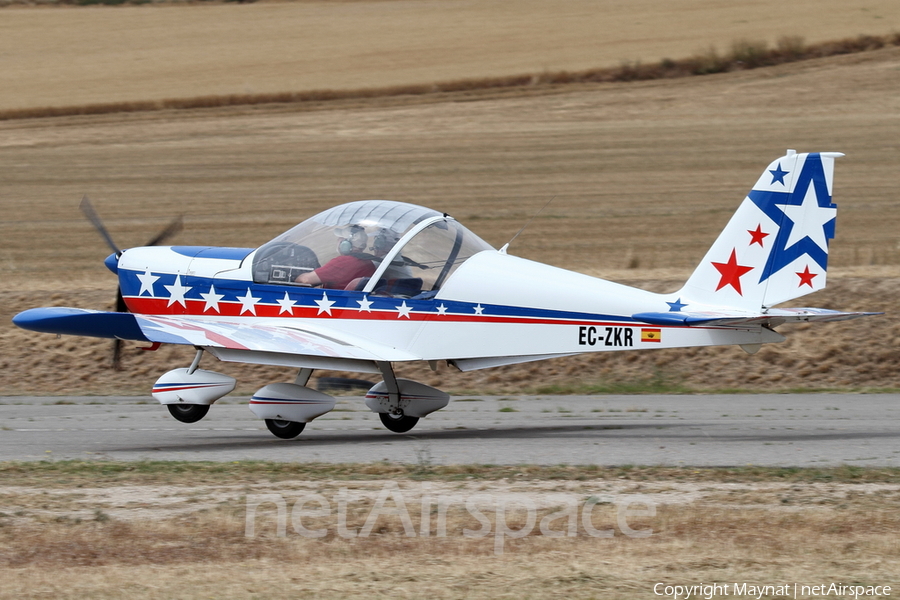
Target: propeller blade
x=116 y=361
x=117 y=355
x=120 y=302
x=173 y=228
x=94 y=218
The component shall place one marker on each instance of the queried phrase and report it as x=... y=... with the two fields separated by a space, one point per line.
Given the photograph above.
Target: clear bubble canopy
x=401 y=249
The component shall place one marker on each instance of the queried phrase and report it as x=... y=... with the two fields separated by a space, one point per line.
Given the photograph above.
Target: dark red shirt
x=341 y=270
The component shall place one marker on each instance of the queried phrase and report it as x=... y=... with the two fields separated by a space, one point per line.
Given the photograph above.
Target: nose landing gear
x=286 y=430
x=398 y=423
x=188 y=413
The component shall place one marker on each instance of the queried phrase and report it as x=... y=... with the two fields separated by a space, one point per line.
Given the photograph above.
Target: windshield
x=429 y=258
x=345 y=246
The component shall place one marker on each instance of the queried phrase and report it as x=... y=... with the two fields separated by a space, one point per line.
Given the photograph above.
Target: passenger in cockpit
x=384 y=241
x=351 y=264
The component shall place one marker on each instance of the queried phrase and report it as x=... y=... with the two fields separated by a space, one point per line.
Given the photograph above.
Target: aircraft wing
x=771 y=318
x=252 y=342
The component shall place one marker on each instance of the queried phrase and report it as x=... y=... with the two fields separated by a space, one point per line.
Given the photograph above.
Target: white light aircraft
x=368 y=284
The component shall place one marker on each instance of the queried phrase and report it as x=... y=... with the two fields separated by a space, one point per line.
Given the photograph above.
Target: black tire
x=286 y=430
x=398 y=423
x=188 y=413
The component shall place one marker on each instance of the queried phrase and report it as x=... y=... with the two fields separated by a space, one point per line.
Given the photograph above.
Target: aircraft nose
x=112 y=263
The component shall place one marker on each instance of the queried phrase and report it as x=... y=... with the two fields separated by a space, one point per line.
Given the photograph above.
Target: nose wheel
x=286 y=430
x=398 y=423
x=188 y=413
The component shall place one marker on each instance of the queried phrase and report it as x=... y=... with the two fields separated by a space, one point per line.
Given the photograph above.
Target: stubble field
x=643 y=176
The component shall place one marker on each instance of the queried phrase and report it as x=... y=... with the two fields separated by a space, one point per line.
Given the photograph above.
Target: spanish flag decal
x=651 y=335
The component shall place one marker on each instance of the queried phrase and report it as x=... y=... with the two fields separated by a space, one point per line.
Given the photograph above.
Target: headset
x=383 y=242
x=357 y=240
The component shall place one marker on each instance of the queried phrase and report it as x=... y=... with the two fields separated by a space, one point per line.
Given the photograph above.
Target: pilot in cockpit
x=351 y=264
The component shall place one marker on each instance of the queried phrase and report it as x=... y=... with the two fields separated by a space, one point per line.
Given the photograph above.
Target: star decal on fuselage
x=177 y=292
x=403 y=310
x=325 y=304
x=442 y=310
x=365 y=304
x=248 y=302
x=677 y=305
x=287 y=305
x=212 y=299
x=147 y=280
x=731 y=273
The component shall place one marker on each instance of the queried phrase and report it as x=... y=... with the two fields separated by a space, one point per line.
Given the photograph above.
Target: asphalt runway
x=713 y=430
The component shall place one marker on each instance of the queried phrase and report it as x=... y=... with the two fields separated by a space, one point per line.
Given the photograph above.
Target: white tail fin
x=776 y=245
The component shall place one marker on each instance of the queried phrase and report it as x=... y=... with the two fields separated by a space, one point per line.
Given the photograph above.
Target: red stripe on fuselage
x=158 y=306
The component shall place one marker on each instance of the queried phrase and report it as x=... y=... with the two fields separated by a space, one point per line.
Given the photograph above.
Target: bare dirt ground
x=160 y=533
x=643 y=177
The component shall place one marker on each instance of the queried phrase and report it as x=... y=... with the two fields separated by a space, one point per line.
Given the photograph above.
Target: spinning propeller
x=92 y=216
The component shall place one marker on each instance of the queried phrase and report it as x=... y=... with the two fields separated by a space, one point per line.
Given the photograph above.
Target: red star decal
x=757 y=235
x=731 y=273
x=806 y=277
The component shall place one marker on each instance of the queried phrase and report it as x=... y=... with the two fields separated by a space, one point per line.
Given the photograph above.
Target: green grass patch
x=656 y=384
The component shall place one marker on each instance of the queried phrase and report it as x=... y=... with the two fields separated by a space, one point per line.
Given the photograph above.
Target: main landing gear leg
x=394 y=419
x=303 y=377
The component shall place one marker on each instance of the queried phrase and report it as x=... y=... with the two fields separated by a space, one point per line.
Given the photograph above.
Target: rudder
x=775 y=247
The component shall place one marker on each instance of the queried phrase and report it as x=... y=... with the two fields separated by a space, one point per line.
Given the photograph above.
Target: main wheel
x=188 y=413
x=398 y=423
x=286 y=430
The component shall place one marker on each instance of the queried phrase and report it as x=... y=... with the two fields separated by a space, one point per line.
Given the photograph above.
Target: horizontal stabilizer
x=771 y=318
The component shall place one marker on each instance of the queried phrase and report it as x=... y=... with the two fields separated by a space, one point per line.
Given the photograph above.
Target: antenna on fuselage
x=506 y=245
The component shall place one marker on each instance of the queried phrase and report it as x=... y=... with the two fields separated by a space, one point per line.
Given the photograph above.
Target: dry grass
x=104 y=538
x=744 y=55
